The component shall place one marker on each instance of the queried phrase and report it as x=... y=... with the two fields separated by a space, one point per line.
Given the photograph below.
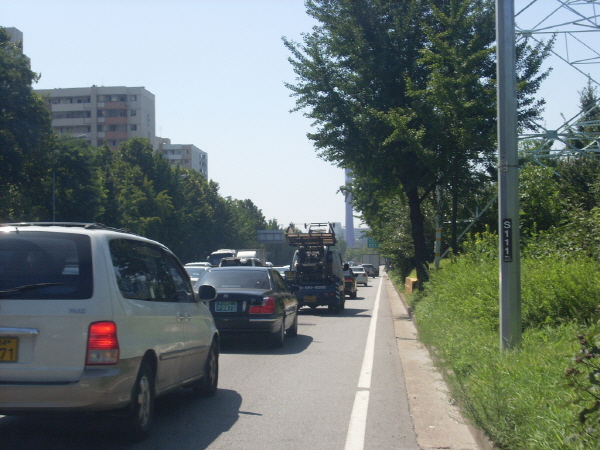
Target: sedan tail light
x=267 y=307
x=103 y=345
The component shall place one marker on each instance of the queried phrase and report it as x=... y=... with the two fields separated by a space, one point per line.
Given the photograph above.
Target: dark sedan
x=252 y=300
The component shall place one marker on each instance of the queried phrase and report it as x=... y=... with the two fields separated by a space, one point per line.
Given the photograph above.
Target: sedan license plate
x=226 y=307
x=8 y=349
x=310 y=299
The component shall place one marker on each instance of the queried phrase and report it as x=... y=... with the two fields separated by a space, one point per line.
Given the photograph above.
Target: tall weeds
x=521 y=398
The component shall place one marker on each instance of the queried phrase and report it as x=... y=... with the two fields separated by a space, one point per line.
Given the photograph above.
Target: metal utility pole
x=508 y=178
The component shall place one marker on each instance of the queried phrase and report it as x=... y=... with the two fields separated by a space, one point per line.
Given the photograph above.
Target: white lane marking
x=355 y=439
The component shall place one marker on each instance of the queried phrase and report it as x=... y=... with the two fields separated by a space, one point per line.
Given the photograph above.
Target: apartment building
x=185 y=155
x=15 y=34
x=111 y=114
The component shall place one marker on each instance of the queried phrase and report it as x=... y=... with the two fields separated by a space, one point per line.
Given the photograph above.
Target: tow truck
x=316 y=267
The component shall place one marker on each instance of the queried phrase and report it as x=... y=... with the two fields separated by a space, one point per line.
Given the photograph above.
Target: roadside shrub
x=556 y=291
x=584 y=377
x=579 y=237
x=553 y=291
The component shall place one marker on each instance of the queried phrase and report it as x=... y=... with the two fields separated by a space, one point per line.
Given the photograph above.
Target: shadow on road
x=347 y=312
x=180 y=421
x=259 y=345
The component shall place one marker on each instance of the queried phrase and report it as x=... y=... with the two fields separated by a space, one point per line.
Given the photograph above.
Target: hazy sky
x=217 y=69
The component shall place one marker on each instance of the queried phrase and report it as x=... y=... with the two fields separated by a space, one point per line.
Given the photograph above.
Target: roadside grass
x=519 y=398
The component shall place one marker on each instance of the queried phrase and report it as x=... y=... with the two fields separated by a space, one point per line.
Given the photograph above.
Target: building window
x=133 y=113
x=133 y=98
x=133 y=127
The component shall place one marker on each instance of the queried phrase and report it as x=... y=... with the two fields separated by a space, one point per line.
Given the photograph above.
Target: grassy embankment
x=521 y=399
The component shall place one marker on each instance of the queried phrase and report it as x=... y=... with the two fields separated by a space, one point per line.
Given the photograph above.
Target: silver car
x=95 y=319
x=360 y=274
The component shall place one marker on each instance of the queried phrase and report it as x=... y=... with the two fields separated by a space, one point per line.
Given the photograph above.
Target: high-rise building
x=111 y=114
x=185 y=155
x=15 y=34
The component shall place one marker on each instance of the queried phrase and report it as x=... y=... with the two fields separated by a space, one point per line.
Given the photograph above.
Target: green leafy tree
x=205 y=218
x=79 y=194
x=247 y=219
x=395 y=100
x=589 y=105
x=456 y=101
x=580 y=178
x=542 y=205
x=25 y=137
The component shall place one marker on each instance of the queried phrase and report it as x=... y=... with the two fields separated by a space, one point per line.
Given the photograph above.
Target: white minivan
x=99 y=319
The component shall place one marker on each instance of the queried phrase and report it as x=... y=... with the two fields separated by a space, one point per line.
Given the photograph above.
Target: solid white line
x=355 y=439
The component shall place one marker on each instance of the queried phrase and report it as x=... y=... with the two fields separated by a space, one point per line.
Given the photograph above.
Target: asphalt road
x=338 y=385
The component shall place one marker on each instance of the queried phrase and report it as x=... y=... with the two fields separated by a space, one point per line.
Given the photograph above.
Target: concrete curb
x=437 y=420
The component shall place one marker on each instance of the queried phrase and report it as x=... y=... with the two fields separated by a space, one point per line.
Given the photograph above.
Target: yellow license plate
x=8 y=349
x=310 y=299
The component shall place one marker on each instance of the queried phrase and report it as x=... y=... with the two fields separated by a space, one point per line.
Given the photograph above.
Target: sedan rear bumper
x=246 y=324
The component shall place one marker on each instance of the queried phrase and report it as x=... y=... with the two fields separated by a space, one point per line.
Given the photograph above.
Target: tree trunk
x=418 y=235
x=454 y=241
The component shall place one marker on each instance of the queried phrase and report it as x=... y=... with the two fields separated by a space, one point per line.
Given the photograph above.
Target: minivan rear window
x=37 y=265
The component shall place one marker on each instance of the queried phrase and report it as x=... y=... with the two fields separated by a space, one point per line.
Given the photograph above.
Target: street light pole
x=81 y=136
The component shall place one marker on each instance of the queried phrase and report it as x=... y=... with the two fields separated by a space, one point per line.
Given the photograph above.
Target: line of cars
x=357 y=274
x=103 y=321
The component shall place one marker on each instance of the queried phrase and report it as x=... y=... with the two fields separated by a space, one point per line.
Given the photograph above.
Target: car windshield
x=357 y=269
x=232 y=279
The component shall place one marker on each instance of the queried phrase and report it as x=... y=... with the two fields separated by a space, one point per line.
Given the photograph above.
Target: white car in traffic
x=360 y=274
x=94 y=319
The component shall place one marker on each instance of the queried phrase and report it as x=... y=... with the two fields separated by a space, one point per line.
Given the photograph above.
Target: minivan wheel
x=207 y=385
x=139 y=418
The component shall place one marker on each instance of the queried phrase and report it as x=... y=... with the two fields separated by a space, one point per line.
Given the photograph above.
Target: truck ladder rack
x=314 y=238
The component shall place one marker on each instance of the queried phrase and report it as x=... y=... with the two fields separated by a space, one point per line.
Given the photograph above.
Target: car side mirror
x=294 y=288
x=206 y=293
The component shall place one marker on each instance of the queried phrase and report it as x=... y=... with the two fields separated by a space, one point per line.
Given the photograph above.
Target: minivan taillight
x=267 y=307
x=102 y=346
